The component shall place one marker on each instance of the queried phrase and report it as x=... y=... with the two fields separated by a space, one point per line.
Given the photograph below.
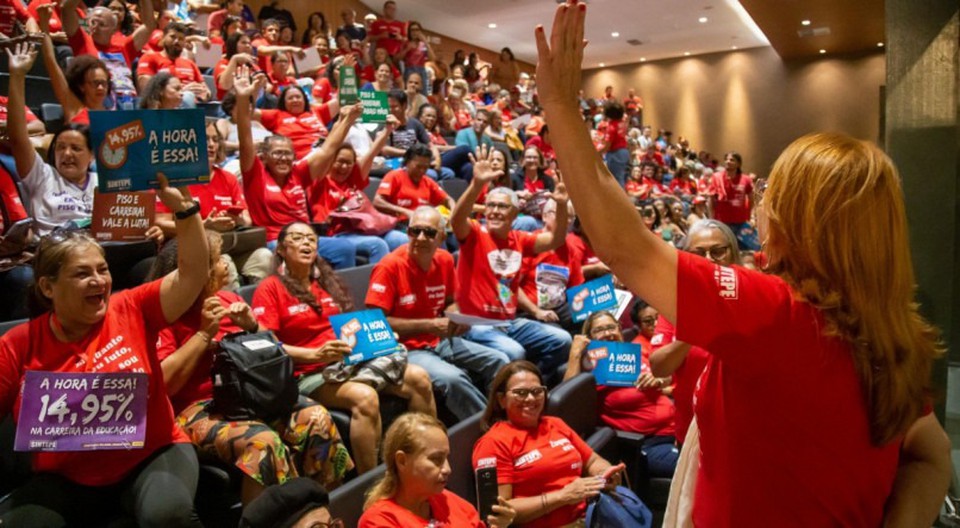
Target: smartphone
x=487 y=491
x=235 y=210
x=19 y=230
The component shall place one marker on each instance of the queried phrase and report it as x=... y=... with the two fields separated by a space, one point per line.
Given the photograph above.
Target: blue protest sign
x=615 y=364
x=367 y=332
x=591 y=297
x=132 y=146
x=81 y=411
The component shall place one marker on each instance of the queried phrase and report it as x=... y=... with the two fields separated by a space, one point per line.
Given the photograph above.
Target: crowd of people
x=286 y=156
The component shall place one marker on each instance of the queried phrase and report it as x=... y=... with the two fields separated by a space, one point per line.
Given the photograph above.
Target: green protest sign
x=348 y=88
x=375 y=106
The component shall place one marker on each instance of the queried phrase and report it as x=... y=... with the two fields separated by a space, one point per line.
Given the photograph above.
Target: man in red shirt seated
x=489 y=270
x=170 y=59
x=413 y=285
x=103 y=39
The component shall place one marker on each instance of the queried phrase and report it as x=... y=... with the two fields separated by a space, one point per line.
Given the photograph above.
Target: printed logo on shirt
x=657 y=339
x=504 y=262
x=488 y=462
x=377 y=287
x=727 y=281
x=297 y=308
x=408 y=299
x=528 y=458
x=272 y=188
x=259 y=310
x=560 y=442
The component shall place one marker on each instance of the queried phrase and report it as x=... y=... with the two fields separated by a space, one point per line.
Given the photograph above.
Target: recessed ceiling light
x=804 y=22
x=492 y=25
x=602 y=64
x=686 y=53
x=733 y=47
x=822 y=51
x=879 y=44
x=614 y=34
x=702 y=20
x=643 y=59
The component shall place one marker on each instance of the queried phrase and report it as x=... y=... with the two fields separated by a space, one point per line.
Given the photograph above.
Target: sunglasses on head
x=429 y=232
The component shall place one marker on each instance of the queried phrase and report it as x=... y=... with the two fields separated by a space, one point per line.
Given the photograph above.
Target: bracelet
x=188 y=212
x=204 y=336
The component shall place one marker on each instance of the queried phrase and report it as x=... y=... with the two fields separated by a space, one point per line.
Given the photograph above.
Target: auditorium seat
x=454 y=187
x=462 y=438
x=212 y=85
x=356 y=280
x=372 y=187
x=346 y=502
x=5 y=326
x=52 y=116
x=575 y=401
x=246 y=292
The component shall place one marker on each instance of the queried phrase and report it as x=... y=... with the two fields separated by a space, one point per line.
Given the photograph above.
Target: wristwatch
x=188 y=212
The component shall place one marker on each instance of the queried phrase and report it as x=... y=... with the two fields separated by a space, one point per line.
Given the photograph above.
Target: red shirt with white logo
x=488 y=272
x=536 y=461
x=615 y=135
x=118 y=55
x=303 y=130
x=399 y=189
x=199 y=386
x=780 y=407
x=733 y=197
x=447 y=510
x=221 y=193
x=12 y=11
x=400 y=287
x=587 y=256
x=124 y=341
x=546 y=276
x=12 y=206
x=293 y=322
x=685 y=378
x=327 y=194
x=395 y=31
x=155 y=62
x=271 y=206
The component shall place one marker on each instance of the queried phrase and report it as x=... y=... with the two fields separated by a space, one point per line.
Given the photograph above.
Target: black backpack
x=253 y=378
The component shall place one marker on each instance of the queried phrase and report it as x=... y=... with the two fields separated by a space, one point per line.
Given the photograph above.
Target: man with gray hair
x=413 y=285
x=489 y=270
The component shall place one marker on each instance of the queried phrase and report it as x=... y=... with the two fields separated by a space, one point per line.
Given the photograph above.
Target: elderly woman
x=305 y=442
x=554 y=491
x=644 y=408
x=78 y=318
x=413 y=491
x=886 y=458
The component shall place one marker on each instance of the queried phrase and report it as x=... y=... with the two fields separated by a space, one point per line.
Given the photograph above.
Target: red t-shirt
x=222 y=192
x=119 y=55
x=733 y=198
x=279 y=83
x=447 y=510
x=399 y=189
x=782 y=417
x=263 y=60
x=12 y=11
x=303 y=130
x=633 y=187
x=533 y=186
x=129 y=333
x=10 y=195
x=685 y=378
x=545 y=148
x=488 y=272
x=322 y=89
x=271 y=206
x=546 y=276
x=199 y=386
x=31 y=117
x=400 y=287
x=396 y=32
x=587 y=256
x=369 y=73
x=327 y=194
x=615 y=135
x=536 y=461
x=155 y=62
x=56 y=25
x=293 y=322
x=685 y=186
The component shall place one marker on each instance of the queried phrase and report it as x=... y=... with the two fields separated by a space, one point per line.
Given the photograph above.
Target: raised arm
x=225 y=80
x=148 y=20
x=483 y=174
x=647 y=266
x=319 y=160
x=20 y=61
x=69 y=18
x=245 y=91
x=923 y=476
x=383 y=136
x=665 y=360
x=71 y=105
x=180 y=288
x=550 y=240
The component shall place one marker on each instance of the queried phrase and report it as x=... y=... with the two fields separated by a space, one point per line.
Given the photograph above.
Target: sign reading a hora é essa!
x=590 y=297
x=367 y=332
x=132 y=146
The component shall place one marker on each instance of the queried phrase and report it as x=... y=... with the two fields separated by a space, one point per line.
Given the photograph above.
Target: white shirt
x=54 y=199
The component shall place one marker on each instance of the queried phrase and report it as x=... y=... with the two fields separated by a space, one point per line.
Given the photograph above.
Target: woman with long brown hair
x=817 y=389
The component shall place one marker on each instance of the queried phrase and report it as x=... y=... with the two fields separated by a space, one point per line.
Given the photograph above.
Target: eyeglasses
x=281 y=154
x=536 y=392
x=601 y=330
x=498 y=206
x=298 y=238
x=415 y=232
x=715 y=252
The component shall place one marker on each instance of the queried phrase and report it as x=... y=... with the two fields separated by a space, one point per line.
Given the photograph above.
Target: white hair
x=509 y=193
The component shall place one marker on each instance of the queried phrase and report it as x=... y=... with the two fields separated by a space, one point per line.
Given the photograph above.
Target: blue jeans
x=444 y=174
x=546 y=346
x=15 y=283
x=451 y=366
x=662 y=455
x=372 y=247
x=617 y=162
x=395 y=239
x=339 y=253
x=458 y=160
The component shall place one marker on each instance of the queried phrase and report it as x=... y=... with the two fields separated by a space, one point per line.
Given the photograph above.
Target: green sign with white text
x=375 y=106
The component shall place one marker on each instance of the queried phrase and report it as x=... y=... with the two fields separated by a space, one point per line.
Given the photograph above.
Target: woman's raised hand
x=22 y=57
x=559 y=60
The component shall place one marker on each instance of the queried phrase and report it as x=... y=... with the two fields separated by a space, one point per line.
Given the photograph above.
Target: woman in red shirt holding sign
x=412 y=493
x=814 y=409
x=544 y=469
x=81 y=326
x=296 y=304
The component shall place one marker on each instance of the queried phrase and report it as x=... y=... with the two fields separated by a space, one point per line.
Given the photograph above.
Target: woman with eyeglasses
x=814 y=407
x=412 y=492
x=713 y=240
x=80 y=326
x=644 y=408
x=545 y=471
x=296 y=304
